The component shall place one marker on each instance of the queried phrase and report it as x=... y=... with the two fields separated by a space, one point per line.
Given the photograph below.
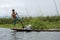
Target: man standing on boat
x=15 y=18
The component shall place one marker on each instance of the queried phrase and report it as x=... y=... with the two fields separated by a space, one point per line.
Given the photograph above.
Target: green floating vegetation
x=52 y=22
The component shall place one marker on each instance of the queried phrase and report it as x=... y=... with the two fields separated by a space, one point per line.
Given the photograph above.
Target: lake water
x=7 y=34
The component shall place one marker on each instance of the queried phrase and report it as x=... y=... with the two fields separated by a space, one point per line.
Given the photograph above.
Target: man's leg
x=15 y=23
x=21 y=22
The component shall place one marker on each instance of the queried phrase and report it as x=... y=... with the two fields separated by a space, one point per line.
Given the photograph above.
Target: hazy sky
x=29 y=7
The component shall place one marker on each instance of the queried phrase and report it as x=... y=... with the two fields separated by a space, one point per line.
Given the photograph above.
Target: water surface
x=7 y=34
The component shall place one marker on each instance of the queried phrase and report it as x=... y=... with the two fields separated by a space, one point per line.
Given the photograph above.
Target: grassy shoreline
x=36 y=22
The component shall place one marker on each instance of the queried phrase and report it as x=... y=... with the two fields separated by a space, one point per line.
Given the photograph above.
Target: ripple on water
x=7 y=34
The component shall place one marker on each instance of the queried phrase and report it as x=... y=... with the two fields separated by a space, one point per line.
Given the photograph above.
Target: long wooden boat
x=46 y=30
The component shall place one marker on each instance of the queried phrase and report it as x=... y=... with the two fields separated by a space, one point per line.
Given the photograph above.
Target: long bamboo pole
x=56 y=8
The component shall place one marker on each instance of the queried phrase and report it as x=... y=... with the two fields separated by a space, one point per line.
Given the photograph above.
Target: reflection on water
x=7 y=34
